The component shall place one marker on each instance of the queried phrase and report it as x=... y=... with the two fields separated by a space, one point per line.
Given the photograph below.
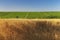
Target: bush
x=17 y=16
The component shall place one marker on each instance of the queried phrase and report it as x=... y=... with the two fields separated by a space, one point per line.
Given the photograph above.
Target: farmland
x=30 y=15
x=29 y=29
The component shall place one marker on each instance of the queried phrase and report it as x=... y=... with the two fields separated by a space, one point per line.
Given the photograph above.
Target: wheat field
x=29 y=29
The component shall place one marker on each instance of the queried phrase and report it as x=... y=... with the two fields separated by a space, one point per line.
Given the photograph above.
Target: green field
x=30 y=15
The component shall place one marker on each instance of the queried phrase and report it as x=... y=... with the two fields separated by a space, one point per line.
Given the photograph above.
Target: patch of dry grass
x=29 y=29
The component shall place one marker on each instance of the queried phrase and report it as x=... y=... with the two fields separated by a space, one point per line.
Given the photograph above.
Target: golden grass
x=29 y=29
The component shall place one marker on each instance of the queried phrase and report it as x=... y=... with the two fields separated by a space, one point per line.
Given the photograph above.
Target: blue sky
x=29 y=5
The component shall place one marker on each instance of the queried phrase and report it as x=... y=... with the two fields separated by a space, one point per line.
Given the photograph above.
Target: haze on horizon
x=29 y=5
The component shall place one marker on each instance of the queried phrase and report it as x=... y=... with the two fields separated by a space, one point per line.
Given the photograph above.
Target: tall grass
x=29 y=30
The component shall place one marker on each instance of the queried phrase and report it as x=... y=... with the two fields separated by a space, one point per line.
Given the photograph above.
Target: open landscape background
x=29 y=19
x=30 y=15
